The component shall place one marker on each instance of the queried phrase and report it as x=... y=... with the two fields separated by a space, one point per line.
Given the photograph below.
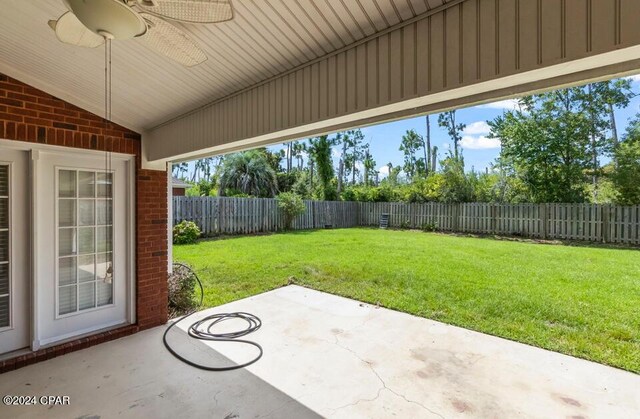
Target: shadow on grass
x=548 y=242
x=268 y=233
x=493 y=237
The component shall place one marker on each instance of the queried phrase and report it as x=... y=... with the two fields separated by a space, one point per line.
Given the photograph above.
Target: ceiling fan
x=89 y=23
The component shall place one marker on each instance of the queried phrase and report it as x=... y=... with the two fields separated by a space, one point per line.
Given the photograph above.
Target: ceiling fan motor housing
x=112 y=19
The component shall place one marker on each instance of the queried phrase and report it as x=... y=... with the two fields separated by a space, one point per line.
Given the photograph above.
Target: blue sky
x=479 y=151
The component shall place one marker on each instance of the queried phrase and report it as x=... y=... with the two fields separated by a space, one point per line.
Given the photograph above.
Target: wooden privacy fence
x=255 y=215
x=589 y=222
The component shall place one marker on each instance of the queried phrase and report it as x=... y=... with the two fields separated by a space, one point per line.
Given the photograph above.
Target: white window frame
x=10 y=245
x=95 y=254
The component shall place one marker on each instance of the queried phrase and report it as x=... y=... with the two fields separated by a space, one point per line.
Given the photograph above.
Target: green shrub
x=430 y=226
x=186 y=232
x=291 y=205
x=182 y=290
x=405 y=224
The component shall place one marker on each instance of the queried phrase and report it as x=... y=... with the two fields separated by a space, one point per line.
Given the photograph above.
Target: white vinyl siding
x=85 y=240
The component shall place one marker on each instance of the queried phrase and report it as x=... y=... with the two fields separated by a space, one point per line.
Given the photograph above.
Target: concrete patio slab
x=327 y=356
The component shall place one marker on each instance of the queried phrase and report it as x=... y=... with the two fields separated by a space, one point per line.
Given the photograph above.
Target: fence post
x=221 y=215
x=494 y=219
x=456 y=217
x=606 y=219
x=544 y=219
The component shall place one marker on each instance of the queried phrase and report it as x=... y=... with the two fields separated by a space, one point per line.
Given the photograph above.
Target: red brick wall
x=152 y=247
x=179 y=191
x=30 y=115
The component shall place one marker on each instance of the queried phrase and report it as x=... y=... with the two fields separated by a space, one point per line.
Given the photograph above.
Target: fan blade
x=70 y=30
x=168 y=40
x=190 y=11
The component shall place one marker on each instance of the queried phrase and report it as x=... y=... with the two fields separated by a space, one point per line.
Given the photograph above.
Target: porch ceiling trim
x=463 y=52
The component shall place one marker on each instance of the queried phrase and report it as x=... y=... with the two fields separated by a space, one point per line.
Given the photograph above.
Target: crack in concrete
x=215 y=396
x=384 y=385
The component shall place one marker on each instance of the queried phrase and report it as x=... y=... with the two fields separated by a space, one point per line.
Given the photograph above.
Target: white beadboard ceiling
x=265 y=38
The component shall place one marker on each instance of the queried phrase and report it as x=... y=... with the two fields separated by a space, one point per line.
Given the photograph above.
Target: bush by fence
x=589 y=222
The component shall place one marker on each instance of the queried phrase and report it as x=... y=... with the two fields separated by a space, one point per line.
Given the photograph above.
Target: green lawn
x=582 y=301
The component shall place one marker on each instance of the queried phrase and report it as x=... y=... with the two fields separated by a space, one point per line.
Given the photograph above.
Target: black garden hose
x=202 y=330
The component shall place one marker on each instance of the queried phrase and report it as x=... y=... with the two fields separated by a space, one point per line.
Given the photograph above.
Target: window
x=4 y=247
x=85 y=240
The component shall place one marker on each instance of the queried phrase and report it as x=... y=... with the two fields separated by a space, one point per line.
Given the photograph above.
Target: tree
x=546 y=142
x=369 y=165
x=353 y=147
x=179 y=169
x=447 y=120
x=600 y=100
x=394 y=174
x=299 y=150
x=434 y=159
x=274 y=158
x=202 y=168
x=291 y=205
x=427 y=149
x=455 y=185
x=342 y=139
x=288 y=154
x=615 y=94
x=249 y=173
x=320 y=153
x=626 y=176
x=411 y=143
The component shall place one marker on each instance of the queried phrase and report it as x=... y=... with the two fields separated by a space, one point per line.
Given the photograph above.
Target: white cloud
x=446 y=146
x=336 y=152
x=480 y=142
x=477 y=128
x=635 y=78
x=384 y=170
x=502 y=104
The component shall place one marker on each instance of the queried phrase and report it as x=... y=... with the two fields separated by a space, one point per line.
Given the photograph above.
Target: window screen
x=4 y=247
x=85 y=240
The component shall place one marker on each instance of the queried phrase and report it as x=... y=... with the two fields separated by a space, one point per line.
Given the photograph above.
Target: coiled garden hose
x=203 y=330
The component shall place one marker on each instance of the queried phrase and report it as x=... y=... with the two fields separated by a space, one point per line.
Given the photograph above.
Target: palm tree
x=298 y=151
x=248 y=172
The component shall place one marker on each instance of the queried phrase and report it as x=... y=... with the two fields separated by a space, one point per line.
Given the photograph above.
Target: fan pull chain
x=107 y=106
x=108 y=176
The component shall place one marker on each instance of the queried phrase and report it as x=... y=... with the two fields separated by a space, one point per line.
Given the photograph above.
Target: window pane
x=105 y=293
x=87 y=295
x=4 y=180
x=87 y=216
x=104 y=182
x=4 y=311
x=67 y=271
x=86 y=185
x=4 y=212
x=105 y=239
x=104 y=267
x=4 y=278
x=67 y=184
x=103 y=208
x=86 y=268
x=4 y=246
x=66 y=212
x=86 y=240
x=67 y=241
x=67 y=299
